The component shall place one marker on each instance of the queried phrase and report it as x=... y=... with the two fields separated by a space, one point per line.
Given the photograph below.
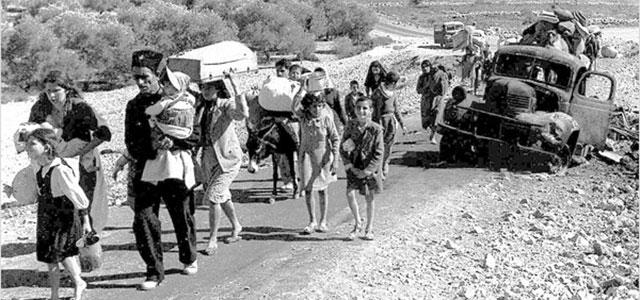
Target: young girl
x=221 y=154
x=386 y=113
x=62 y=211
x=375 y=76
x=362 y=152
x=319 y=147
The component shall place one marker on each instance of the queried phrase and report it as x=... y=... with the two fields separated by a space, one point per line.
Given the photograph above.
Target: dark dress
x=58 y=226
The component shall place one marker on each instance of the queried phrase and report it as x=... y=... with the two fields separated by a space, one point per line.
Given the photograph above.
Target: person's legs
x=311 y=209
x=353 y=205
x=54 y=279
x=71 y=264
x=370 y=215
x=147 y=230
x=214 y=226
x=324 y=204
x=230 y=210
x=177 y=201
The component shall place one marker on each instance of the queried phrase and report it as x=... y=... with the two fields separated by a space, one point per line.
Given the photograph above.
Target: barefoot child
x=319 y=147
x=362 y=153
x=62 y=211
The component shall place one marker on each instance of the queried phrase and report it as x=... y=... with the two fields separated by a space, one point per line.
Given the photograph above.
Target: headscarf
x=370 y=81
x=175 y=116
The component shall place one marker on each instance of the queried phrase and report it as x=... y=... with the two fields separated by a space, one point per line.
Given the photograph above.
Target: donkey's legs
x=274 y=192
x=294 y=175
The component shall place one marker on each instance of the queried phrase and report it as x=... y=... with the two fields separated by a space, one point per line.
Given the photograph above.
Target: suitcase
x=208 y=63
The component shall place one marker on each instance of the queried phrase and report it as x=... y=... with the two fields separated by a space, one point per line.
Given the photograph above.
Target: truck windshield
x=526 y=67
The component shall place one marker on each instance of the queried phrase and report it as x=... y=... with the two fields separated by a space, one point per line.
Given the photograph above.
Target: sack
x=24 y=186
x=277 y=94
x=90 y=252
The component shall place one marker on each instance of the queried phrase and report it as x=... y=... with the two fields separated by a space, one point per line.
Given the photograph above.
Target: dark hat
x=580 y=18
x=150 y=59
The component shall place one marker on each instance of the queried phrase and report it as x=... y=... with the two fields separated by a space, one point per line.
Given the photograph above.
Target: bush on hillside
x=171 y=28
x=105 y=5
x=344 y=47
x=311 y=18
x=347 y=19
x=30 y=49
x=266 y=27
x=224 y=8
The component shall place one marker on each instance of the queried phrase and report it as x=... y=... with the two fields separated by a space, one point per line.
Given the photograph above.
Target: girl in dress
x=319 y=148
x=62 y=211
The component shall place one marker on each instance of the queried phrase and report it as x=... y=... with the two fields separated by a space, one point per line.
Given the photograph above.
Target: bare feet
x=80 y=287
x=211 y=249
x=323 y=227
x=235 y=235
x=310 y=228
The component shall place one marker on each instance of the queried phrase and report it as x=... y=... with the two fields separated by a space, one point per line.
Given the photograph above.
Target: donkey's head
x=261 y=143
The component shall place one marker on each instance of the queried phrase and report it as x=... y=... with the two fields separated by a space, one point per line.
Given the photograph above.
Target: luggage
x=208 y=63
x=24 y=186
x=277 y=94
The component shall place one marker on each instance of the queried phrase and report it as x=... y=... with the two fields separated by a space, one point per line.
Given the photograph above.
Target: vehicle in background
x=540 y=106
x=442 y=33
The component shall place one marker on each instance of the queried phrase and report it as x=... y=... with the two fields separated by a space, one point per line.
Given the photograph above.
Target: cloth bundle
x=560 y=29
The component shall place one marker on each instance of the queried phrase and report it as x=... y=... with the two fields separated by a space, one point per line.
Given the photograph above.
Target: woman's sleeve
x=65 y=183
x=238 y=109
x=420 y=85
x=396 y=111
x=377 y=153
x=93 y=121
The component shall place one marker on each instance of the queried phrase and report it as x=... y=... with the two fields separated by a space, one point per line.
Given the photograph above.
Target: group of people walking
x=177 y=138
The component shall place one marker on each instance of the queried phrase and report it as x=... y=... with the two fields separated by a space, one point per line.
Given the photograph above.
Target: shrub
x=347 y=19
x=224 y=8
x=265 y=27
x=172 y=28
x=105 y=5
x=344 y=47
x=312 y=19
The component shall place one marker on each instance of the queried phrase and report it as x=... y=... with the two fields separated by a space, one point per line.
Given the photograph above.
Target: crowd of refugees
x=168 y=123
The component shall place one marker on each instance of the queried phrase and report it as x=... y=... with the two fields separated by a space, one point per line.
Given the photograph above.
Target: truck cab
x=531 y=87
x=442 y=33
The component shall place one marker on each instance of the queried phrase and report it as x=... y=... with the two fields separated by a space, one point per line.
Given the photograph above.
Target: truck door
x=591 y=106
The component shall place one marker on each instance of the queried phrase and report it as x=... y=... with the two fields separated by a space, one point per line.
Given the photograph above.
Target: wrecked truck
x=540 y=107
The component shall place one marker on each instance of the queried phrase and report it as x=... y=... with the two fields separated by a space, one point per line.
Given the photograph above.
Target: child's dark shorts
x=370 y=184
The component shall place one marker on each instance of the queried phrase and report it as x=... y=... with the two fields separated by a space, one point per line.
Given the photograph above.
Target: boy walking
x=362 y=152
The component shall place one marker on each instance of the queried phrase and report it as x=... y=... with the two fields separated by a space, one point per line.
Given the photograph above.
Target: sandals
x=232 y=239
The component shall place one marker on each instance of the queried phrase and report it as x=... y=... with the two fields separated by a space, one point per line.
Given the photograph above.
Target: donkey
x=267 y=135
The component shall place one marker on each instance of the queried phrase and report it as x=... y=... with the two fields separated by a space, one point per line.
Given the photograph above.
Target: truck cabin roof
x=543 y=53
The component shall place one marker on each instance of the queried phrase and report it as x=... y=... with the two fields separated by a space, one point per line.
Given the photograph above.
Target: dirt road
x=271 y=243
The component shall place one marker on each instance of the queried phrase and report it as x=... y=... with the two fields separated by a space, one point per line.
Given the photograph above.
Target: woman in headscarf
x=82 y=129
x=375 y=76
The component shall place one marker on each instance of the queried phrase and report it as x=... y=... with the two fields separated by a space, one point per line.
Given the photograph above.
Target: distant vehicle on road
x=442 y=33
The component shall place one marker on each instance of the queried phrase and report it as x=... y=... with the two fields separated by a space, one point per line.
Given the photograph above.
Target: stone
x=578 y=191
x=601 y=248
x=449 y=244
x=524 y=201
x=618 y=250
x=467 y=215
x=477 y=229
x=613 y=204
x=589 y=260
x=583 y=295
x=489 y=261
x=582 y=243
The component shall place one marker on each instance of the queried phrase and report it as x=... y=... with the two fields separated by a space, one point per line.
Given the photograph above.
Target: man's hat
x=548 y=17
x=149 y=59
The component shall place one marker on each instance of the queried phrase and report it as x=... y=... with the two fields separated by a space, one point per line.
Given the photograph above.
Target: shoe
x=211 y=250
x=149 y=284
x=190 y=269
x=354 y=232
x=368 y=236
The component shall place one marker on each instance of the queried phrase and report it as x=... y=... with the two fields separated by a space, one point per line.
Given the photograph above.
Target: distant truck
x=540 y=106
x=443 y=32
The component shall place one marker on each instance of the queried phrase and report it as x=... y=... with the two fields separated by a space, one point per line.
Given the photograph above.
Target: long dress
x=319 y=146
